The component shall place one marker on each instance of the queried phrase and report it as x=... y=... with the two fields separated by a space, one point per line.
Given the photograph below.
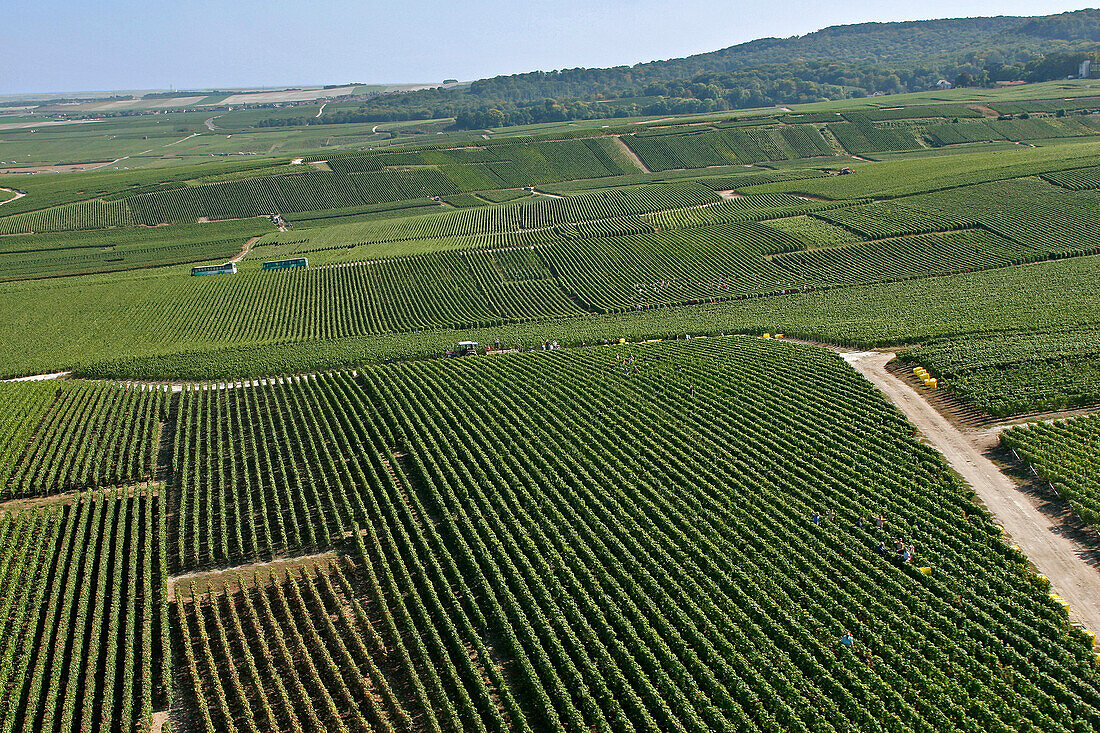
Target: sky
x=76 y=45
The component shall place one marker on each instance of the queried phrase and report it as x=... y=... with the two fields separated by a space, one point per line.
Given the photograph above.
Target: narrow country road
x=18 y=195
x=1053 y=554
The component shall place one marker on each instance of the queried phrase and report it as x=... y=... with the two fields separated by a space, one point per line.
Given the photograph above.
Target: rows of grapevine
x=328 y=217
x=739 y=180
x=532 y=213
x=1018 y=372
x=22 y=405
x=752 y=207
x=895 y=218
x=1076 y=180
x=813 y=232
x=85 y=260
x=607 y=227
x=1041 y=129
x=954 y=133
x=518 y=286
x=1067 y=454
x=910 y=113
x=203 y=333
x=673 y=267
x=84 y=644
x=1027 y=210
x=93 y=434
x=239 y=199
x=504 y=195
x=510 y=164
x=464 y=200
x=1085 y=105
x=661 y=152
x=396 y=185
x=925 y=255
x=1015 y=130
x=509 y=565
x=300 y=652
x=399 y=294
x=270 y=469
x=755 y=144
x=94 y=214
x=863 y=137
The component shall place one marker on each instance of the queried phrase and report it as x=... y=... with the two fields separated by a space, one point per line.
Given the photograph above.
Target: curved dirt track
x=1038 y=535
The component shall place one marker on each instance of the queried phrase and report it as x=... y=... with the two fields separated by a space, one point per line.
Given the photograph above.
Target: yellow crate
x=767 y=335
x=926 y=571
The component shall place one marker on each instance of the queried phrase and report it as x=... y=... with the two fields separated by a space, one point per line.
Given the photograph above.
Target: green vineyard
x=1018 y=372
x=500 y=605
x=1067 y=454
x=85 y=645
x=89 y=435
x=754 y=391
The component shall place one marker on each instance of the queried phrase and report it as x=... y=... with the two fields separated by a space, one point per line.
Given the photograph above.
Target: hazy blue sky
x=69 y=45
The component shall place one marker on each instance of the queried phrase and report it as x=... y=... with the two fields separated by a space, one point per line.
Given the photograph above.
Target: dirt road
x=244 y=250
x=1041 y=537
x=17 y=195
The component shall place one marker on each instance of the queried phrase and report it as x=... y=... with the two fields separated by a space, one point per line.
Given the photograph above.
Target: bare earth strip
x=214 y=578
x=1040 y=537
x=632 y=155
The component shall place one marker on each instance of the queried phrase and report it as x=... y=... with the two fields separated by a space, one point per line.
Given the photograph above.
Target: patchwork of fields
x=262 y=501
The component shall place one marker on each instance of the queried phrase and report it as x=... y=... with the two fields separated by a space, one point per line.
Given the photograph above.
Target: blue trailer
x=286 y=264
x=229 y=268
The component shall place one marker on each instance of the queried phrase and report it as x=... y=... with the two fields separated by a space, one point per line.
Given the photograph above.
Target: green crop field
x=1018 y=372
x=672 y=472
x=454 y=537
x=1065 y=453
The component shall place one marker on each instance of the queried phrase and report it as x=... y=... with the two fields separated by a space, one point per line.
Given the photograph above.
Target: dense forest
x=833 y=63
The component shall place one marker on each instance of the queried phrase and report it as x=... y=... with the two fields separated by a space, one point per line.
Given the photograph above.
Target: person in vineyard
x=882 y=549
x=816 y=518
x=880 y=521
x=832 y=514
x=848 y=640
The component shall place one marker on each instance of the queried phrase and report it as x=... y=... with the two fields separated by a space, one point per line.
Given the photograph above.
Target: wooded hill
x=832 y=63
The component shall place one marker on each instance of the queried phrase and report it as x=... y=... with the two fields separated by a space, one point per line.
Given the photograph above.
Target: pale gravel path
x=1039 y=536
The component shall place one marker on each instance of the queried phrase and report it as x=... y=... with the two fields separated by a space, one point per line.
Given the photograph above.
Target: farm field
x=559 y=605
x=1012 y=373
x=275 y=499
x=1065 y=454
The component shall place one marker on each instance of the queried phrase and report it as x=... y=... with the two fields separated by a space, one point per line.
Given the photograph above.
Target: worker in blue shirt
x=848 y=640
